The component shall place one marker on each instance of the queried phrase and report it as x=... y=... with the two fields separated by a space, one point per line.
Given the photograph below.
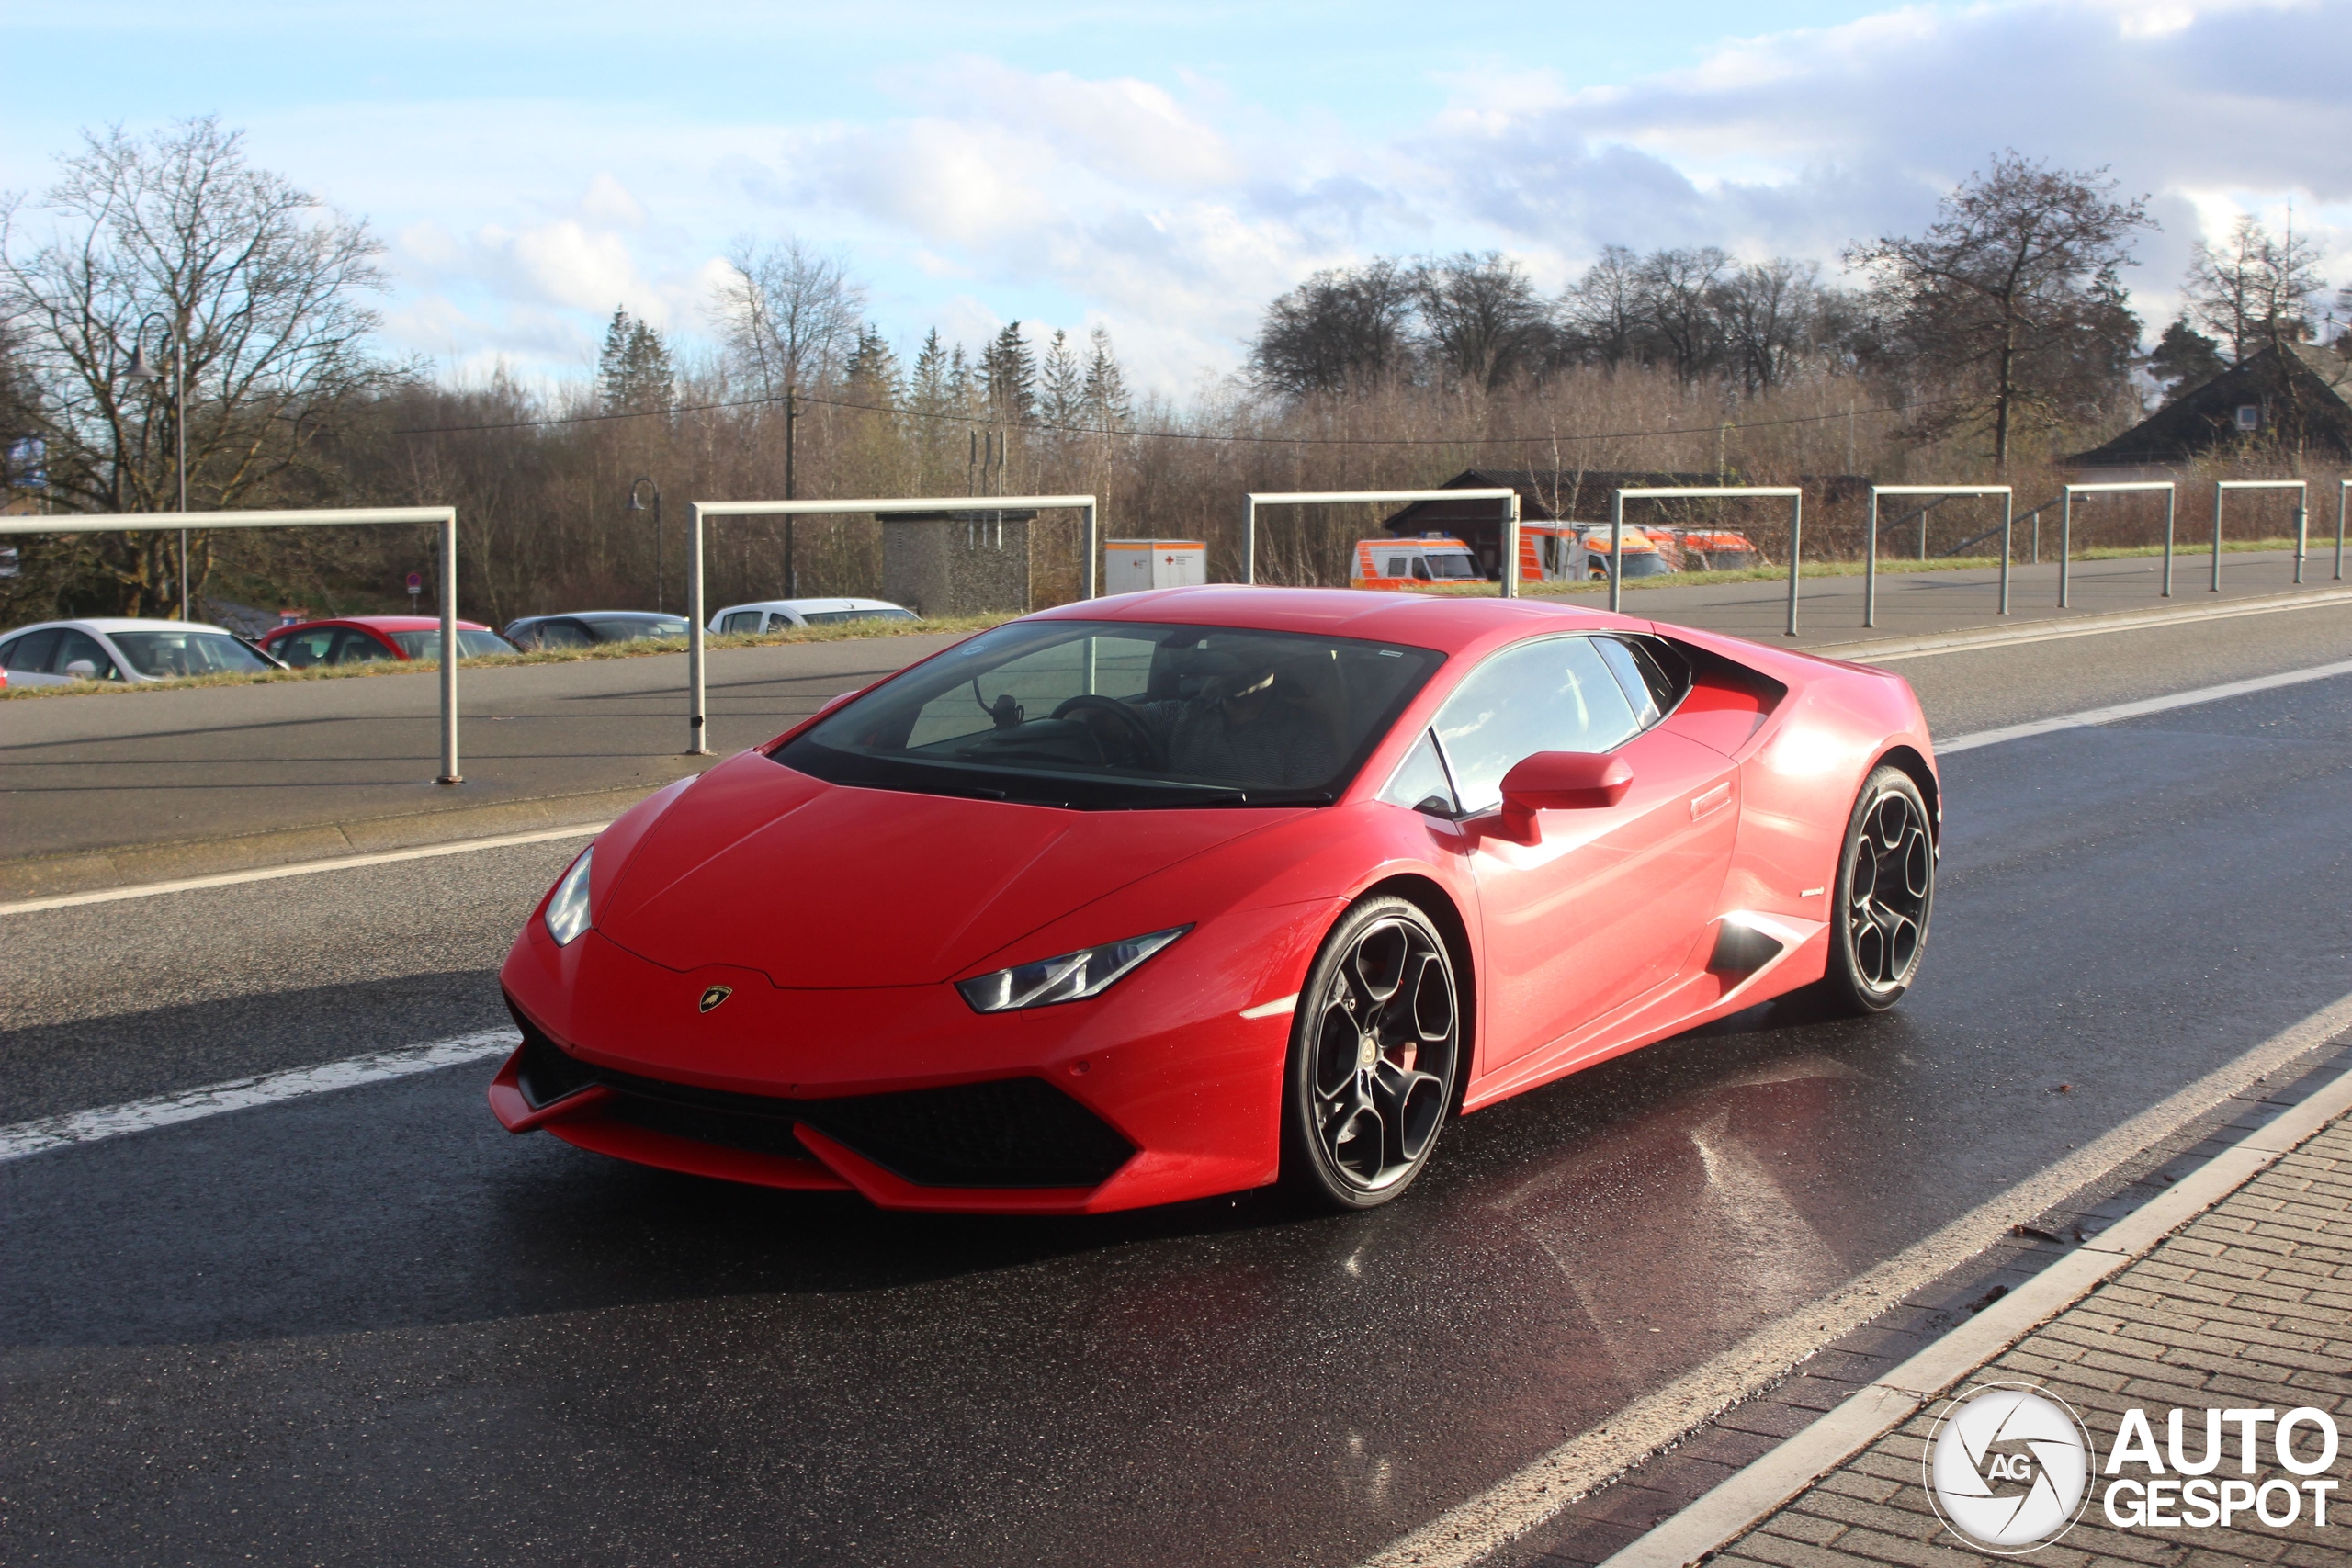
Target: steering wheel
x=1142 y=745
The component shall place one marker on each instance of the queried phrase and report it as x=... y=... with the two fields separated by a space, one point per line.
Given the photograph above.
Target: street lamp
x=660 y=580
x=141 y=372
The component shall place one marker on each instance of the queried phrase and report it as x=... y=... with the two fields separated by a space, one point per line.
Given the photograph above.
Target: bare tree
x=2015 y=288
x=260 y=281
x=1766 y=318
x=1483 y=320
x=1607 y=307
x=1677 y=298
x=2255 y=290
x=1346 y=328
x=788 y=314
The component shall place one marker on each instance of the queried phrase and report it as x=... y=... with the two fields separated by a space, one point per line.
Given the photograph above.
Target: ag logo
x=2009 y=1468
x=714 y=995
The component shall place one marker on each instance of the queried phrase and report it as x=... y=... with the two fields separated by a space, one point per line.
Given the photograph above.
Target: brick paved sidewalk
x=2249 y=1305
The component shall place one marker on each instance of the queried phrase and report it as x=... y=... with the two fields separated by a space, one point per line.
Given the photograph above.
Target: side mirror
x=1560 y=780
x=81 y=670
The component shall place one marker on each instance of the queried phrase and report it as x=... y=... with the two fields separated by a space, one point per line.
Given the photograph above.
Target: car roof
x=597 y=616
x=117 y=623
x=1448 y=626
x=802 y=605
x=381 y=623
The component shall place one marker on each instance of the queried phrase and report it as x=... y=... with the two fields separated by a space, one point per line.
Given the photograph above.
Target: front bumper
x=1154 y=1092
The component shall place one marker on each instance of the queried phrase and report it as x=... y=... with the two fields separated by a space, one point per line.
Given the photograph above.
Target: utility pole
x=791 y=424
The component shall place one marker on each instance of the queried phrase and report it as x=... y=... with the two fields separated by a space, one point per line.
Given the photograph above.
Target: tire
x=1376 y=1044
x=1886 y=891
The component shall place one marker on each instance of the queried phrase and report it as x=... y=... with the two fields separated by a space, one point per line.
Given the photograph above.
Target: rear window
x=835 y=617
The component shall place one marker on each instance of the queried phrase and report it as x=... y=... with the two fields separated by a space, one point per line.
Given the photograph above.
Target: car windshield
x=471 y=644
x=835 y=617
x=1111 y=716
x=630 y=629
x=1452 y=569
x=187 y=653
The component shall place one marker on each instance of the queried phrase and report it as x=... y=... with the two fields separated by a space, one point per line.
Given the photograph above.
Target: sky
x=1164 y=170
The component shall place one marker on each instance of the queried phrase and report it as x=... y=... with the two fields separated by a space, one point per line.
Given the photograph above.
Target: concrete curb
x=1890 y=649
x=1745 y=1501
x=137 y=864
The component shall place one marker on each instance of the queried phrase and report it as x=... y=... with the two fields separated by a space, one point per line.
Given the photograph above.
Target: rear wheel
x=1375 y=1042
x=1886 y=886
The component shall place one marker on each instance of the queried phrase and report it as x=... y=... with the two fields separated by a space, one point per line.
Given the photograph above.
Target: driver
x=1272 y=723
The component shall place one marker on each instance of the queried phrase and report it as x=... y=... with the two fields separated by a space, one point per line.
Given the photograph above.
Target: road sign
x=416 y=582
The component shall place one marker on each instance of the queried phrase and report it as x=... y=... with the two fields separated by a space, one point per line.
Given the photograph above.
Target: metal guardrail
x=2066 y=530
x=331 y=518
x=1617 y=500
x=1256 y=499
x=2222 y=488
x=697 y=656
x=1944 y=493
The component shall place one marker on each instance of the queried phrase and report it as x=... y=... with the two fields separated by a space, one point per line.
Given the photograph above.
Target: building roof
x=2302 y=398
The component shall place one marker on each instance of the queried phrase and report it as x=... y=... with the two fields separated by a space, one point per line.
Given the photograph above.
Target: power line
x=897 y=412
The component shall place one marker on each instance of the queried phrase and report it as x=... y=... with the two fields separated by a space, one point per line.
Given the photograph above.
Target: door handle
x=1712 y=801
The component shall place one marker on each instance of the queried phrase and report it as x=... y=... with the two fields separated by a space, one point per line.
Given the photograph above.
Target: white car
x=56 y=653
x=786 y=615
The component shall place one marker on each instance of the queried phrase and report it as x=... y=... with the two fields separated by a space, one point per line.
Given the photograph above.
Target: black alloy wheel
x=1374 y=1045
x=1886 y=886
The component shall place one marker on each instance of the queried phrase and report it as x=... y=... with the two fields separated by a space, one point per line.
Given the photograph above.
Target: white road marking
x=240 y=1094
x=301 y=868
x=1889 y=649
x=1474 y=1529
x=2122 y=711
x=1273 y=1008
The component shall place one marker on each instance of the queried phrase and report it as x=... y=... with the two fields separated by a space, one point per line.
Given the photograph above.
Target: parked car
x=589 y=627
x=357 y=639
x=788 y=615
x=54 y=653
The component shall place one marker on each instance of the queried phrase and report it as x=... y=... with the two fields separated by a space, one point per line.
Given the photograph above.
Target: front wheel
x=1374 y=1045
x=1886 y=885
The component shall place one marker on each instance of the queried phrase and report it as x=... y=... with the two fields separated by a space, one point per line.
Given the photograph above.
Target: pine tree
x=1105 y=394
x=633 y=373
x=1061 y=386
x=872 y=368
x=1009 y=376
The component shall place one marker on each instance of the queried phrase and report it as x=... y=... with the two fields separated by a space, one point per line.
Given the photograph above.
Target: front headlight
x=1089 y=972
x=568 y=907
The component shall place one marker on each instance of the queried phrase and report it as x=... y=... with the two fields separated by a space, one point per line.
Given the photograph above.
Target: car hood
x=825 y=886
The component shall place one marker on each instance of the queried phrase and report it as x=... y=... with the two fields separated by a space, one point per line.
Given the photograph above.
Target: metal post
x=2169 y=496
x=2065 y=541
x=696 y=744
x=2302 y=533
x=1510 y=546
x=2008 y=510
x=1092 y=551
x=2343 y=494
x=179 y=430
x=1796 y=551
x=1616 y=549
x=2217 y=493
x=791 y=571
x=1869 y=563
x=449 y=774
x=1249 y=540
x=1923 y=528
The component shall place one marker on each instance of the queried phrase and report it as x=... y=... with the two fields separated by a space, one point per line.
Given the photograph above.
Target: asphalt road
x=371 y=1327
x=272 y=767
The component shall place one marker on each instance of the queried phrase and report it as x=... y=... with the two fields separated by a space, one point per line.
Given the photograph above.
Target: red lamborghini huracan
x=1180 y=893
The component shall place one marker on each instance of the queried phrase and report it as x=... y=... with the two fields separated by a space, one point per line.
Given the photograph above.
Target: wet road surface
x=372 y=1326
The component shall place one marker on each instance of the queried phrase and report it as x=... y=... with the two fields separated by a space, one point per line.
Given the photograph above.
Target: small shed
x=1130 y=566
x=957 y=563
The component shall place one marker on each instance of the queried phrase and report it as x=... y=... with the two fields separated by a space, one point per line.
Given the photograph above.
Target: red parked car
x=356 y=639
x=1184 y=892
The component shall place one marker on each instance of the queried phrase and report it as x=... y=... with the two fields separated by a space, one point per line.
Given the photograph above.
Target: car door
x=81 y=657
x=354 y=646
x=29 y=657
x=1609 y=901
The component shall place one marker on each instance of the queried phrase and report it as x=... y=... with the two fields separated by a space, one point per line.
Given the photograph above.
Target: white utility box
x=1130 y=566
